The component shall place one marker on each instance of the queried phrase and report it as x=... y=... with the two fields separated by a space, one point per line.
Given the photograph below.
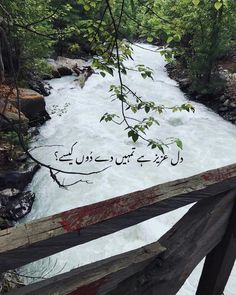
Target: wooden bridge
x=208 y=230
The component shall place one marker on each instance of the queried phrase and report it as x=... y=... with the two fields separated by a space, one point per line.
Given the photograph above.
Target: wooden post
x=143 y=271
x=219 y=262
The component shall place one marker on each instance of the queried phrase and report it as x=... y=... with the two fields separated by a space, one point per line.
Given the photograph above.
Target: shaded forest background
x=198 y=32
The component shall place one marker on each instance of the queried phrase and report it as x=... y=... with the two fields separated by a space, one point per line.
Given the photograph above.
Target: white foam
x=209 y=142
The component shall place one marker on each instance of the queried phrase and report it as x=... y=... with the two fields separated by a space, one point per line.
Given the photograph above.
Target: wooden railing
x=208 y=230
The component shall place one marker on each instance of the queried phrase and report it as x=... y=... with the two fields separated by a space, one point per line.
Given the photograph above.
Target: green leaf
x=132 y=5
x=86 y=7
x=160 y=148
x=103 y=117
x=110 y=71
x=147 y=108
x=130 y=133
x=179 y=143
x=134 y=109
x=218 y=5
x=150 y=39
x=103 y=74
x=135 y=136
x=169 y=39
x=123 y=71
x=196 y=2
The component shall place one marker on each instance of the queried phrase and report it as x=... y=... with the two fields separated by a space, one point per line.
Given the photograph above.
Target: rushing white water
x=209 y=142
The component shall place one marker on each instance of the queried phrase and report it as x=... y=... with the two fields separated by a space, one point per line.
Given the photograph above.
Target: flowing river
x=208 y=142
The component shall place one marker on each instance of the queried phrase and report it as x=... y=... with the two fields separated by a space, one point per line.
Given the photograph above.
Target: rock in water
x=84 y=73
x=18 y=179
x=9 y=192
x=32 y=104
x=11 y=114
x=56 y=73
x=40 y=87
x=64 y=71
x=10 y=281
x=14 y=207
x=20 y=205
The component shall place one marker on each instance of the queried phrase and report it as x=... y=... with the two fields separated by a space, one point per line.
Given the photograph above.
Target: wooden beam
x=129 y=263
x=219 y=262
x=197 y=233
x=187 y=243
x=41 y=238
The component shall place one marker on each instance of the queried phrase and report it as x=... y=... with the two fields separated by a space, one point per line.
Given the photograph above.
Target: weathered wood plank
x=20 y=256
x=219 y=262
x=195 y=235
x=131 y=261
x=44 y=237
x=187 y=243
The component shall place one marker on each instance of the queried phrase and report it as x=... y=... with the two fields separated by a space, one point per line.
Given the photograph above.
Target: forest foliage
x=197 y=32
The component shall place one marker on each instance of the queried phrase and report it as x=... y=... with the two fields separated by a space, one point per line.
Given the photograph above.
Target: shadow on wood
x=146 y=271
x=219 y=262
x=47 y=236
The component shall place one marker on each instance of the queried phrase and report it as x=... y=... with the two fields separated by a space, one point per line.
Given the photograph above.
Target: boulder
x=63 y=66
x=69 y=62
x=9 y=192
x=4 y=155
x=6 y=152
x=226 y=103
x=64 y=71
x=47 y=76
x=15 y=204
x=20 y=206
x=55 y=73
x=10 y=281
x=52 y=63
x=184 y=83
x=233 y=105
x=18 y=179
x=223 y=109
x=12 y=114
x=11 y=155
x=35 y=83
x=32 y=105
x=222 y=98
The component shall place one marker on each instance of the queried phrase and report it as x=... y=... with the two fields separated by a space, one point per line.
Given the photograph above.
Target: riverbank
x=16 y=171
x=223 y=101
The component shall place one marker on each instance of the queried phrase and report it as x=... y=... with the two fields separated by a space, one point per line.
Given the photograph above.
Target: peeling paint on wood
x=40 y=238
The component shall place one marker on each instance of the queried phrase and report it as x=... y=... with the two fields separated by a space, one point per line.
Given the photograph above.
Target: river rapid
x=208 y=142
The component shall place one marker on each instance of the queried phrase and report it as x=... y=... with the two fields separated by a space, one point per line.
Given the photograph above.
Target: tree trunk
x=3 y=44
x=214 y=41
x=2 y=69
